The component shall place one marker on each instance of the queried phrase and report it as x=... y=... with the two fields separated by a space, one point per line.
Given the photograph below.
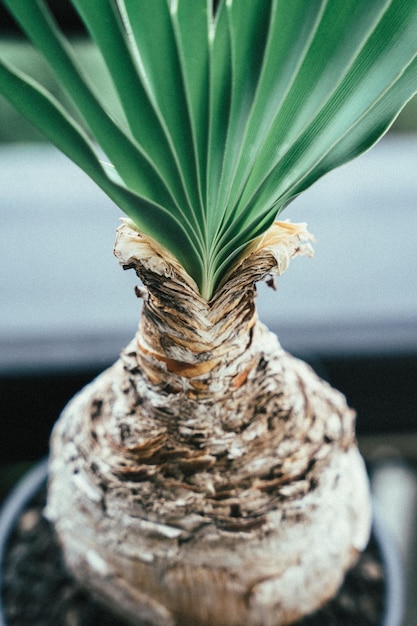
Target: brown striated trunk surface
x=208 y=477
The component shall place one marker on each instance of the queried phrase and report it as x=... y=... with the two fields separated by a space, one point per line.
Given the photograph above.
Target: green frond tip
x=226 y=115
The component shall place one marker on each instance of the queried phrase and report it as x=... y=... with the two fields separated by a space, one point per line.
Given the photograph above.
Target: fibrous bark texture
x=208 y=477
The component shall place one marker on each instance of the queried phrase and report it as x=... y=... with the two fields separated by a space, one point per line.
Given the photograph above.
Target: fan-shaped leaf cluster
x=224 y=116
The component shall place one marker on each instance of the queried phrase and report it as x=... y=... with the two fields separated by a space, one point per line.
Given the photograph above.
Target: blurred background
x=67 y=308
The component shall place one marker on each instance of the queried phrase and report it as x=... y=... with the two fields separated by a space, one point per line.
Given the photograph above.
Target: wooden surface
x=66 y=303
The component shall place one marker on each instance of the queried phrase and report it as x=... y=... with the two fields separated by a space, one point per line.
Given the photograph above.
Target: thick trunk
x=208 y=477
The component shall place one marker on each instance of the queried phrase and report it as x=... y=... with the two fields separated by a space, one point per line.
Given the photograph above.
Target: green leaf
x=44 y=112
x=363 y=82
x=366 y=131
x=160 y=69
x=106 y=28
x=220 y=82
x=132 y=165
x=191 y=23
x=292 y=28
x=247 y=41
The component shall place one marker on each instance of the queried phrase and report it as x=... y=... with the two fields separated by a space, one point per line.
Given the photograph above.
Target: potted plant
x=209 y=477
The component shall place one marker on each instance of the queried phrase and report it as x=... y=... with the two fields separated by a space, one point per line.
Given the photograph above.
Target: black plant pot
x=35 y=479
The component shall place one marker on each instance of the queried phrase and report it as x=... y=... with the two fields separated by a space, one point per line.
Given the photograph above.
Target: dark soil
x=37 y=590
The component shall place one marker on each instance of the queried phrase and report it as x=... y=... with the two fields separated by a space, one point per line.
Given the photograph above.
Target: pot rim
x=11 y=509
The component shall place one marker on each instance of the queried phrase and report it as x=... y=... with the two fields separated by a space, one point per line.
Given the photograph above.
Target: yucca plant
x=208 y=477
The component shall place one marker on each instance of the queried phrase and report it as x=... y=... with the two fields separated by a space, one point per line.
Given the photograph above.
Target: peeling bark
x=208 y=477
